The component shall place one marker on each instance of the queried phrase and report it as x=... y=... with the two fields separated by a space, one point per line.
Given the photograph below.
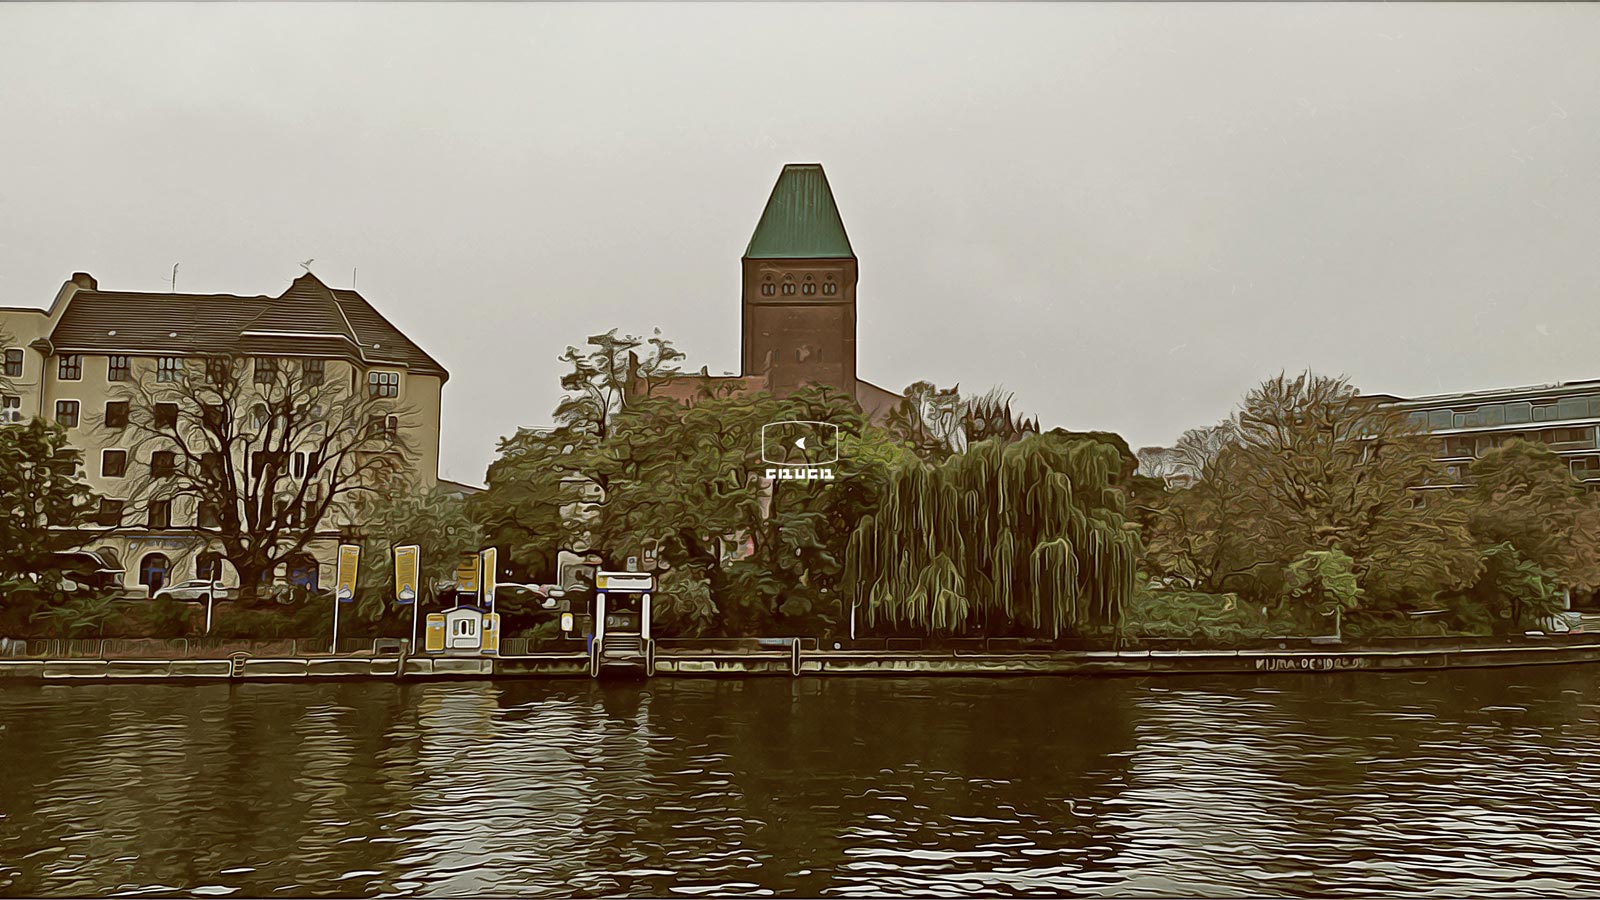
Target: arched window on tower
x=788 y=286
x=809 y=288
x=830 y=287
x=768 y=289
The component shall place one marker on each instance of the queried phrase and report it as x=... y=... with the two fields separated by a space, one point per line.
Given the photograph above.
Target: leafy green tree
x=1318 y=468
x=44 y=502
x=1512 y=590
x=1022 y=538
x=742 y=553
x=599 y=382
x=436 y=521
x=1524 y=495
x=1325 y=580
x=535 y=503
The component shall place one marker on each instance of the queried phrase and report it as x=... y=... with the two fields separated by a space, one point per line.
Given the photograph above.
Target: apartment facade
x=1564 y=417
x=72 y=362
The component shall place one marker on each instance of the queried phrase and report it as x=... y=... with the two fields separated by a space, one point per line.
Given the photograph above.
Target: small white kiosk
x=463 y=628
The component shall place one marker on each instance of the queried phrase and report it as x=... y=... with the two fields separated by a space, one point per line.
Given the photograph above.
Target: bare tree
x=1197 y=450
x=272 y=453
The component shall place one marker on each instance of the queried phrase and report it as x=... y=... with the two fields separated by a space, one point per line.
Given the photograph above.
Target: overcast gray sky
x=1127 y=215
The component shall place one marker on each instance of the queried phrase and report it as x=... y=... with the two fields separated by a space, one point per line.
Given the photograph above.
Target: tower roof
x=801 y=220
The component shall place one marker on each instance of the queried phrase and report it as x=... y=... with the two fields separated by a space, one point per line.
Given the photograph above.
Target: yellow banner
x=488 y=556
x=467 y=574
x=407 y=560
x=349 y=561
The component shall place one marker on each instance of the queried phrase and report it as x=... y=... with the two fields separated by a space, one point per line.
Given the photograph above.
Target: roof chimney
x=85 y=280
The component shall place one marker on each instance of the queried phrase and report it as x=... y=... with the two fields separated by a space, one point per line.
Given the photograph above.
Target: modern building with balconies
x=1563 y=417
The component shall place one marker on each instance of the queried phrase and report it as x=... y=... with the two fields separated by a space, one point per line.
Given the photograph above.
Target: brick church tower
x=799 y=308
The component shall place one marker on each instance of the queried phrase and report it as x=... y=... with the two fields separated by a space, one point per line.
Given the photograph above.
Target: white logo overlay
x=800 y=450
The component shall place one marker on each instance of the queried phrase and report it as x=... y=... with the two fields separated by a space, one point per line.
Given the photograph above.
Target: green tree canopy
x=1021 y=538
x=435 y=520
x=1315 y=467
x=45 y=501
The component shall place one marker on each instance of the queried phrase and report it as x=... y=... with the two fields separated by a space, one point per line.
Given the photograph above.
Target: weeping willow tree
x=1020 y=538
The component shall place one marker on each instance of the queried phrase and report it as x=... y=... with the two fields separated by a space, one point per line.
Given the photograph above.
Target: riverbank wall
x=796 y=660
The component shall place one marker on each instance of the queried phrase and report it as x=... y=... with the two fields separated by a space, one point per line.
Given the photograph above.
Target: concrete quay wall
x=795 y=663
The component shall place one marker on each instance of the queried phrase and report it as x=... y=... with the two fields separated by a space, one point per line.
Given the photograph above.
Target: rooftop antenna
x=174 y=278
x=353 y=279
x=307 y=265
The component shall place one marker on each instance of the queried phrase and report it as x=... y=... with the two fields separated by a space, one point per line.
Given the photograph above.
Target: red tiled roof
x=308 y=319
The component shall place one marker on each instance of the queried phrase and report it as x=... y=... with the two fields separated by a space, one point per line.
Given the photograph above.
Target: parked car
x=1583 y=623
x=193 y=591
x=90 y=570
x=524 y=594
x=1567 y=622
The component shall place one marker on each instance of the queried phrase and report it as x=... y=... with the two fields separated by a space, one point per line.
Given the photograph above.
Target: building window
x=13 y=363
x=313 y=370
x=829 y=287
x=218 y=368
x=208 y=566
x=67 y=413
x=298 y=465
x=160 y=514
x=10 y=410
x=166 y=415
x=383 y=384
x=809 y=289
x=788 y=287
x=768 y=289
x=113 y=463
x=118 y=368
x=70 y=368
x=206 y=516
x=117 y=414
x=169 y=368
x=213 y=416
x=386 y=427
x=266 y=369
x=211 y=467
x=110 y=514
x=266 y=461
x=153 y=571
x=163 y=464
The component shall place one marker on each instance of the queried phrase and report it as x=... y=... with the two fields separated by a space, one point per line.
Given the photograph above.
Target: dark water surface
x=1447 y=783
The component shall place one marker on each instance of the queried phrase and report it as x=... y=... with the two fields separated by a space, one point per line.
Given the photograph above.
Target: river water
x=1445 y=783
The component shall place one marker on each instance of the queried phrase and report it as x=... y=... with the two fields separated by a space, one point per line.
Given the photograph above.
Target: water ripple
x=1440 y=784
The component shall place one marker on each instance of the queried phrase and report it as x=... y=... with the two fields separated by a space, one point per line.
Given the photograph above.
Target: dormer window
x=383 y=384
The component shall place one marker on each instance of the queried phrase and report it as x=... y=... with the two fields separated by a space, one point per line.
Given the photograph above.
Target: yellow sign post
x=487 y=578
x=435 y=639
x=345 y=591
x=407 y=563
x=466 y=576
x=491 y=635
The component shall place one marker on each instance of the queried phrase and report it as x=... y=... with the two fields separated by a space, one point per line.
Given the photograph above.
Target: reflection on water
x=1470 y=782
